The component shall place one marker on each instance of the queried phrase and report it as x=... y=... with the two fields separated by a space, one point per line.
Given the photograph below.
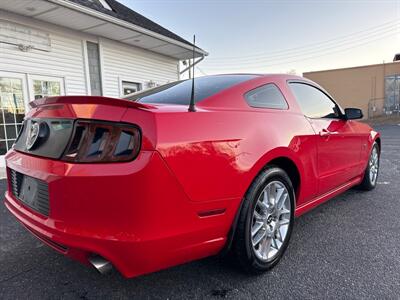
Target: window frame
x=32 y=78
x=260 y=107
x=25 y=96
x=87 y=66
x=396 y=97
x=342 y=115
x=121 y=85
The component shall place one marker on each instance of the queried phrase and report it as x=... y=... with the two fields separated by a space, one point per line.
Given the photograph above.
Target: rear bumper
x=133 y=214
x=78 y=247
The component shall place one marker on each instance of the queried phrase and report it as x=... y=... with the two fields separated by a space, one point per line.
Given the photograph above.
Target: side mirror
x=353 y=113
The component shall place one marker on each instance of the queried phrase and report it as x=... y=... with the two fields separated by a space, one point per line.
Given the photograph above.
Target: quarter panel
x=217 y=154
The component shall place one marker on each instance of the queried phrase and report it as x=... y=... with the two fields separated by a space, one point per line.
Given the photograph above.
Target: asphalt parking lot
x=346 y=248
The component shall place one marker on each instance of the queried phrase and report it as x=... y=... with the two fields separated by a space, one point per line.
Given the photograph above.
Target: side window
x=266 y=96
x=313 y=102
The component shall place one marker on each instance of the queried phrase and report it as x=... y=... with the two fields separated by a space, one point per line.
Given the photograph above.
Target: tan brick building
x=373 y=88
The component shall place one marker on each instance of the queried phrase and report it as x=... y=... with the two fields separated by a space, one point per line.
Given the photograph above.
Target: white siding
x=64 y=60
x=121 y=62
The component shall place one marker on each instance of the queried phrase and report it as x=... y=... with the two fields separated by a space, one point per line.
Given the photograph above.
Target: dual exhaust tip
x=101 y=264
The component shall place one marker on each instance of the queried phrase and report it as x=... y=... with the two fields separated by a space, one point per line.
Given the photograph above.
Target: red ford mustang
x=146 y=184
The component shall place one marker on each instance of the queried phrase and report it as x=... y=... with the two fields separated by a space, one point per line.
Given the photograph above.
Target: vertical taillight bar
x=98 y=141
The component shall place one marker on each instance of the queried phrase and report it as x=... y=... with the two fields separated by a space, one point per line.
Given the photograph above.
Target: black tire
x=367 y=184
x=242 y=247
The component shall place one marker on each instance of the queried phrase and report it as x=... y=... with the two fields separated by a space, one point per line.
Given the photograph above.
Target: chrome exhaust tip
x=101 y=264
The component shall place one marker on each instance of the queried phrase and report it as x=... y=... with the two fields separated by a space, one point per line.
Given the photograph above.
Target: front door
x=338 y=152
x=338 y=146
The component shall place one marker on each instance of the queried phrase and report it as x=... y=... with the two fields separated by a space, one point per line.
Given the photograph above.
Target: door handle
x=326 y=132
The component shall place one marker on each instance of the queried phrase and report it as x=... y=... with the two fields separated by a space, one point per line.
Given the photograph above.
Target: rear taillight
x=98 y=141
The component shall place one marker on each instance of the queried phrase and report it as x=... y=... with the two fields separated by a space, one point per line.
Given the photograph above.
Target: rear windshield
x=179 y=92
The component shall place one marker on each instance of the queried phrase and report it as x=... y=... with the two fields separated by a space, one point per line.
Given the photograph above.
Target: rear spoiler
x=88 y=100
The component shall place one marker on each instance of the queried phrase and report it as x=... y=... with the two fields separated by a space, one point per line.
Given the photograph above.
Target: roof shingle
x=122 y=12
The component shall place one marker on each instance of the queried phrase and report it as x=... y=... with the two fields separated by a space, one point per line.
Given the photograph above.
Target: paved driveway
x=347 y=248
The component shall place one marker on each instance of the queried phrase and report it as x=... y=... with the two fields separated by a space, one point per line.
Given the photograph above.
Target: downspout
x=191 y=65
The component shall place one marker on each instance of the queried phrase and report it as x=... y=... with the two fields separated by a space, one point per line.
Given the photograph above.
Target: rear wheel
x=371 y=173
x=265 y=221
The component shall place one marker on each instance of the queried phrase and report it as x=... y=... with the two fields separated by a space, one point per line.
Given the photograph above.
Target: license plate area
x=31 y=191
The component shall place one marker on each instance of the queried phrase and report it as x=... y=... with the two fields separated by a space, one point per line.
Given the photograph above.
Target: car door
x=338 y=145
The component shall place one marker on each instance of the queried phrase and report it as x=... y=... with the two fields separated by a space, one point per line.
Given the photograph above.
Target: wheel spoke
x=283 y=211
x=279 y=195
x=282 y=200
x=275 y=244
x=258 y=216
x=259 y=237
x=283 y=230
x=279 y=235
x=284 y=222
x=270 y=196
x=262 y=205
x=265 y=246
x=256 y=228
x=263 y=201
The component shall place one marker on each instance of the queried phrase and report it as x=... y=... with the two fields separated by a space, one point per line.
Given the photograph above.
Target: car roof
x=264 y=75
x=214 y=101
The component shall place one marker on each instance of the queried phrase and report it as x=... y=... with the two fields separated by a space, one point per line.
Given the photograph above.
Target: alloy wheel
x=270 y=221
x=373 y=165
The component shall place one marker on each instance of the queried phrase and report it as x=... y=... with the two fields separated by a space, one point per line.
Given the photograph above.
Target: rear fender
x=280 y=152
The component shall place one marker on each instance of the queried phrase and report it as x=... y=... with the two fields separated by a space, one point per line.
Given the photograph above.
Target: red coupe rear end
x=146 y=185
x=109 y=194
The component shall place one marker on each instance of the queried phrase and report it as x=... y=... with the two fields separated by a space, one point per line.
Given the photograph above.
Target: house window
x=12 y=111
x=130 y=87
x=45 y=88
x=94 y=68
x=392 y=93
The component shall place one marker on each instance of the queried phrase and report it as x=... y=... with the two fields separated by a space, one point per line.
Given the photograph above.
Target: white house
x=79 y=47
